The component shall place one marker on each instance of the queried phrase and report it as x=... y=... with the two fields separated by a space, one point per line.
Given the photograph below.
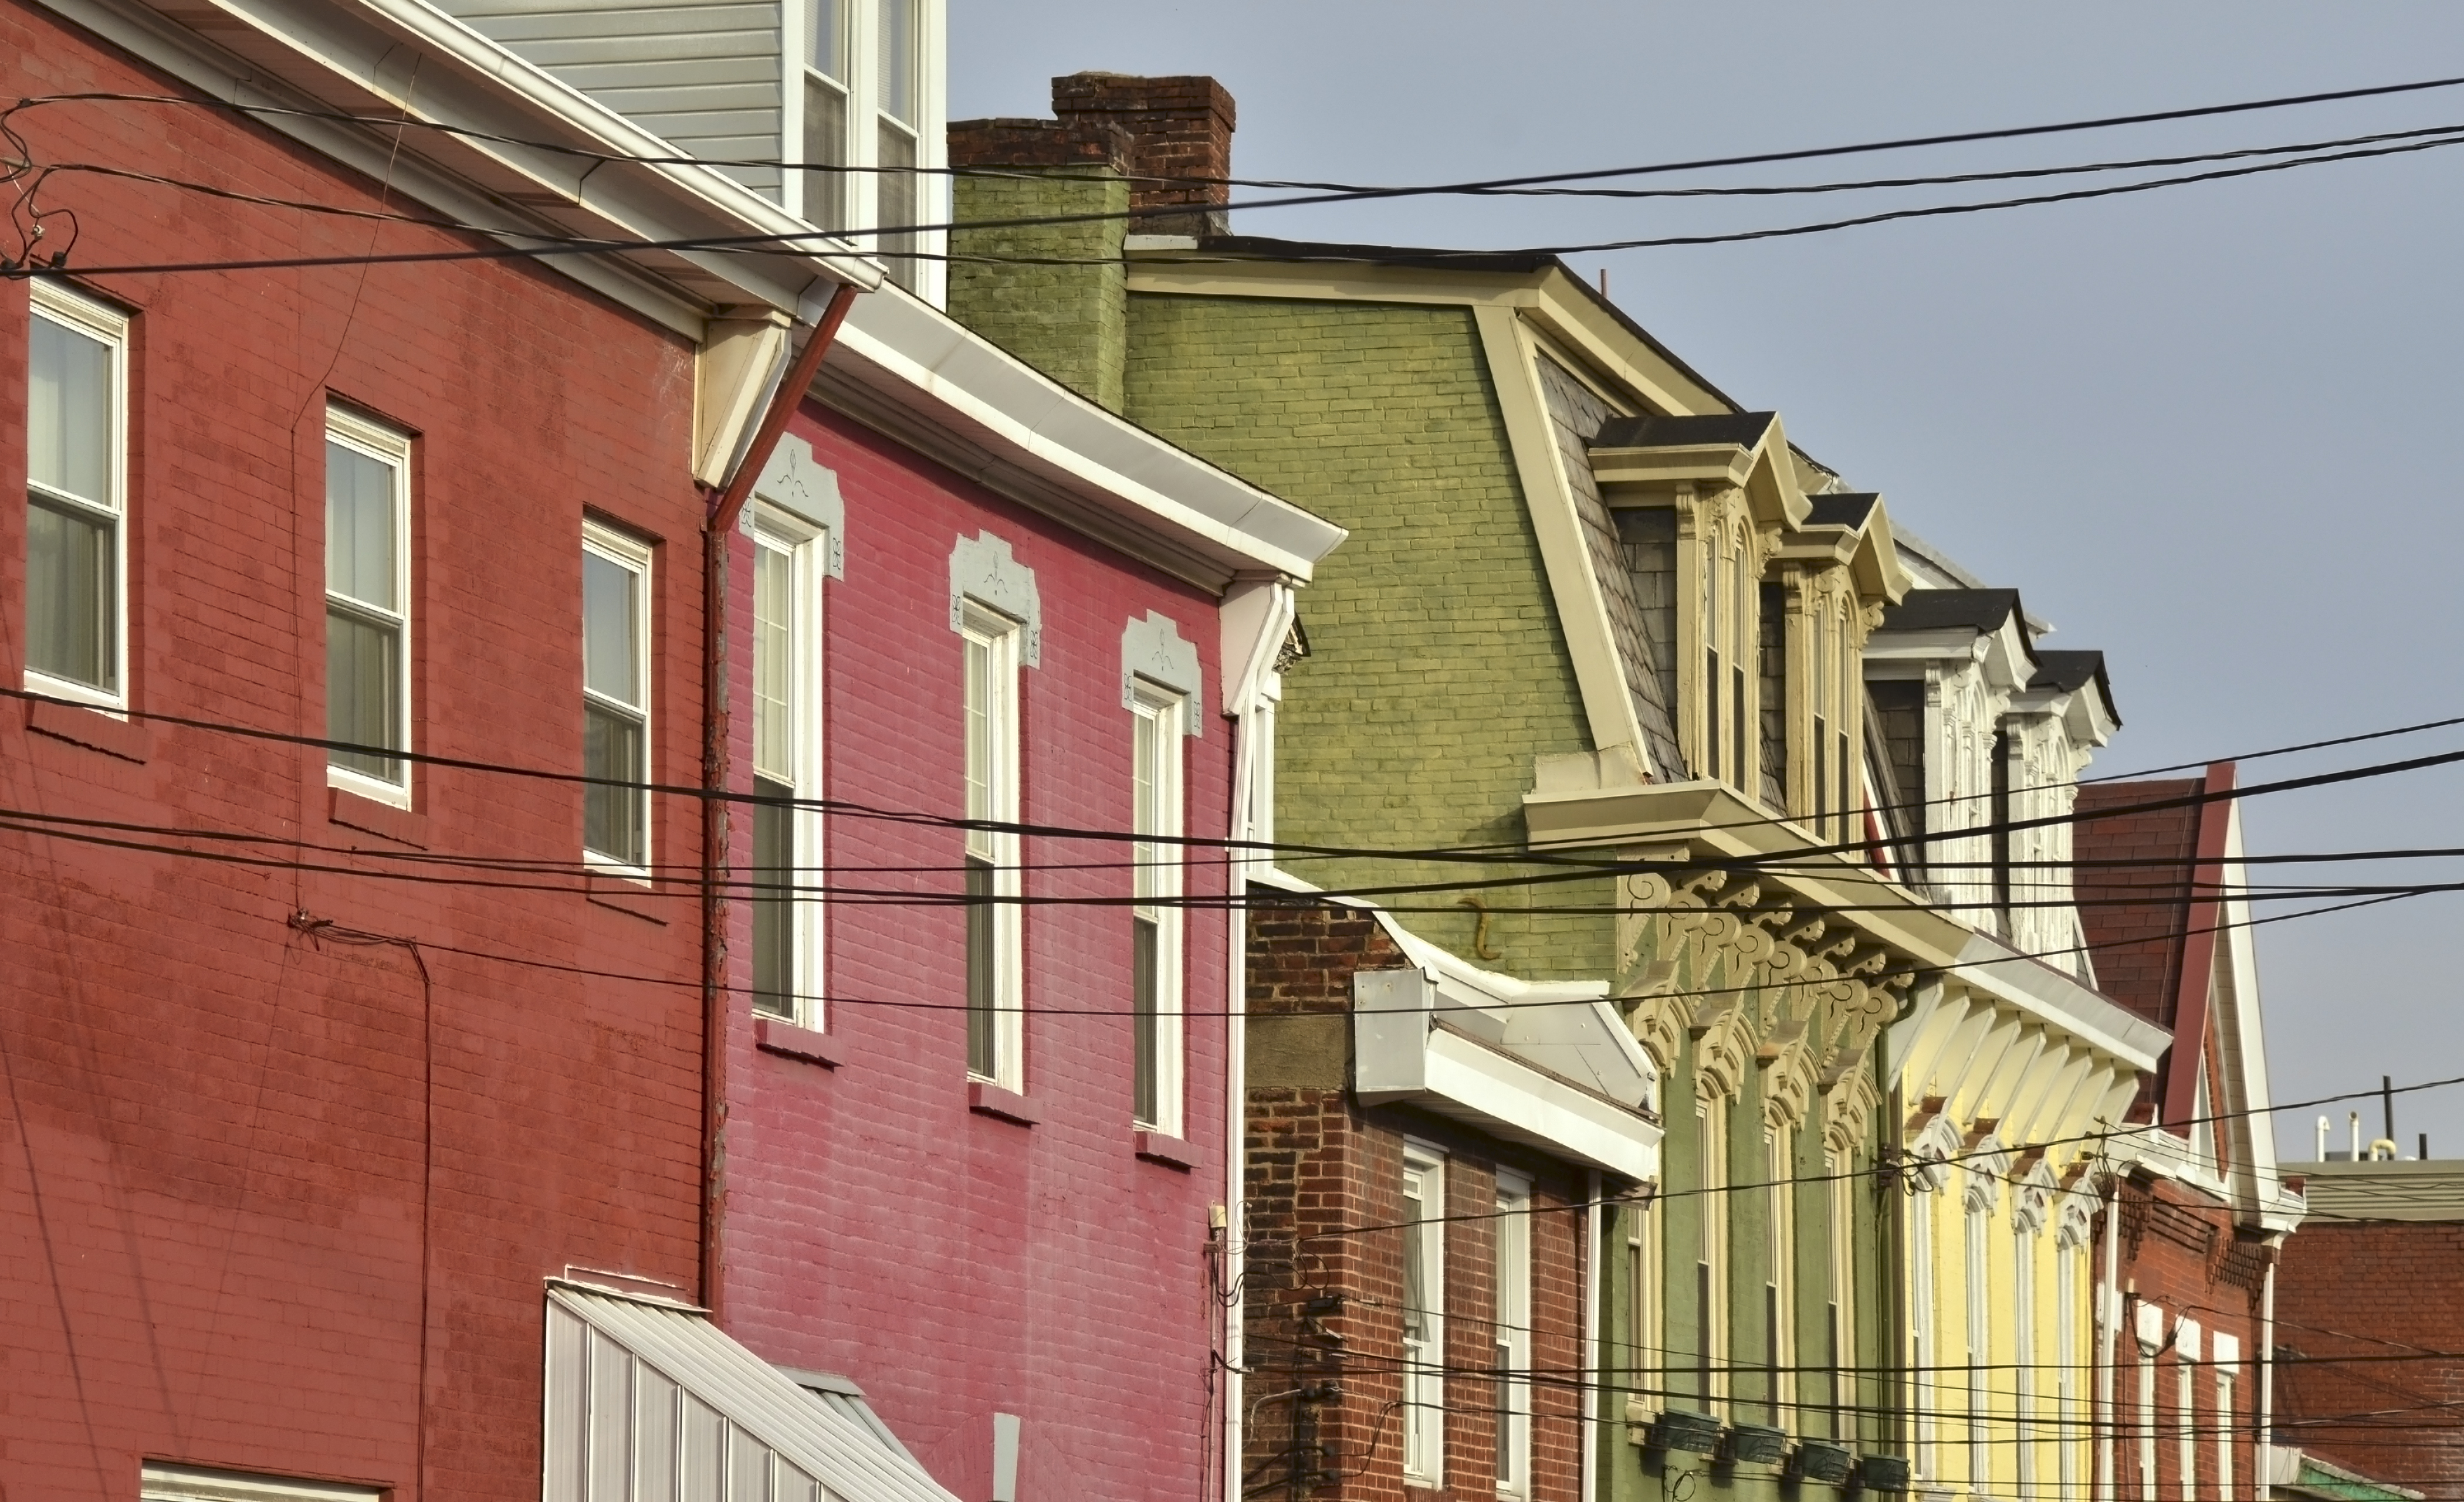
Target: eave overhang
x=1640 y=460
x=1986 y=963
x=921 y=377
x=1707 y=822
x=1867 y=550
x=1413 y=1044
x=401 y=58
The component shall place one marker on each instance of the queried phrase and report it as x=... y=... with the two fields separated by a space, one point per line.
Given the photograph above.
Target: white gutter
x=930 y=381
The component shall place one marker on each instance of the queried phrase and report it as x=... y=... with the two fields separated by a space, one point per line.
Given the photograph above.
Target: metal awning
x=650 y=1402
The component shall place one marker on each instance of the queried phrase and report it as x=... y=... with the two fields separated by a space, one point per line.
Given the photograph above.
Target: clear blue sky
x=2207 y=431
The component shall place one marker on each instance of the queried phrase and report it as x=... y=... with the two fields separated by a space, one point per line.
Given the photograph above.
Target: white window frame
x=983 y=628
x=1842 y=1269
x=1157 y=881
x=391 y=448
x=2024 y=1241
x=865 y=95
x=1711 y=1120
x=807 y=548
x=628 y=554
x=1976 y=1227
x=2067 y=1332
x=1925 y=1343
x=1647 y=1378
x=1511 y=1282
x=1424 y=1366
x=2225 y=1371
x=46 y=299
x=1779 y=1297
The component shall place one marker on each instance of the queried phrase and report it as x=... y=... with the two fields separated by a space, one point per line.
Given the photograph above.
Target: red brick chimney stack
x=1178 y=128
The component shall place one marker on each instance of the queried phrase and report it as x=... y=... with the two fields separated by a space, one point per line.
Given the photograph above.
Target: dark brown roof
x=1841 y=508
x=1744 y=429
x=1934 y=609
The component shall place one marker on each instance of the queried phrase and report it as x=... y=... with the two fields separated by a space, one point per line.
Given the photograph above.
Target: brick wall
x=1436 y=672
x=1068 y=320
x=2180 y=1250
x=2368 y=1316
x=1324 y=1295
x=241 y=1165
x=957 y=1265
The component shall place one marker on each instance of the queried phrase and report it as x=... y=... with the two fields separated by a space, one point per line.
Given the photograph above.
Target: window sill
x=1170 y=1152
x=1001 y=1105
x=783 y=1037
x=631 y=897
x=93 y=728
x=369 y=816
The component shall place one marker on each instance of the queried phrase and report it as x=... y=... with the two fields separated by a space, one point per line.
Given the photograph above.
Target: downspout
x=1247 y=749
x=1591 y=1382
x=2109 y=1298
x=726 y=505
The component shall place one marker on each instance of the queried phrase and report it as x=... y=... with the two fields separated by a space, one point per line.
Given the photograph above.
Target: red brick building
x=338 y=1047
x=1423 y=1188
x=978 y=1069
x=2195 y=1215
x=2370 y=1313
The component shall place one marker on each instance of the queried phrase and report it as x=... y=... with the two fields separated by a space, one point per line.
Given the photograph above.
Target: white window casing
x=1779 y=1291
x=1924 y=1345
x=1158 y=942
x=984 y=574
x=1153 y=653
x=368 y=668
x=76 y=499
x=616 y=605
x=993 y=645
x=1511 y=1279
x=1980 y=1314
x=1423 y=1236
x=790 y=561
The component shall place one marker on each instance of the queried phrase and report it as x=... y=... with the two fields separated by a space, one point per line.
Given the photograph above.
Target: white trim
x=366 y=435
x=799 y=486
x=806 y=549
x=985 y=572
x=110 y=328
x=1159 y=876
x=998 y=636
x=1424 y=1378
x=635 y=557
x=1511 y=1283
x=1153 y=649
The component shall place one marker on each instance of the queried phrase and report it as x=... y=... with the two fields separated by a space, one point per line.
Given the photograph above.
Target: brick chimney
x=1178 y=128
x=1057 y=295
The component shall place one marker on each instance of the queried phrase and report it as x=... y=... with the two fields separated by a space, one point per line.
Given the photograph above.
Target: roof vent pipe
x=2320 y=1155
x=2387 y=1106
x=2353 y=1124
x=2425 y=1147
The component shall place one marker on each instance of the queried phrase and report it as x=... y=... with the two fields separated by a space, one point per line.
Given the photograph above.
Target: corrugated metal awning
x=649 y=1402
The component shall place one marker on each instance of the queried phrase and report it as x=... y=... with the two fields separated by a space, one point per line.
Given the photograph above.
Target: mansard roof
x=1741 y=429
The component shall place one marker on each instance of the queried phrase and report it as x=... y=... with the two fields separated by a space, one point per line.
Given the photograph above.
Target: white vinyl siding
x=367 y=604
x=616 y=699
x=1423 y=1316
x=787 y=760
x=77 y=545
x=994 y=944
x=1155 y=928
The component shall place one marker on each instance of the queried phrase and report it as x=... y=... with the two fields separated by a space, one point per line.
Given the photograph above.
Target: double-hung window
x=367 y=605
x=1424 y=1322
x=2023 y=1356
x=1979 y=1345
x=1156 y=921
x=994 y=944
x=900 y=24
x=1779 y=1289
x=787 y=766
x=825 y=111
x=1711 y=1255
x=76 y=549
x=615 y=699
x=1512 y=1342
x=1839 y=1322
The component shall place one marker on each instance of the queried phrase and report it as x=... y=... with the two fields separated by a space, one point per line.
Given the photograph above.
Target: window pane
x=1415 y=1282
x=612 y=820
x=980 y=737
x=774 y=910
x=610 y=628
x=362 y=691
x=1146 y=940
x=899 y=63
x=897 y=203
x=360 y=527
x=70 y=585
x=825 y=145
x=773 y=664
x=68 y=411
x=828 y=37
x=983 y=1052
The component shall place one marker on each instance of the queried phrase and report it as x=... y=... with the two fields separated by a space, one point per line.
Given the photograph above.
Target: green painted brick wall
x=1437 y=671
x=1069 y=321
